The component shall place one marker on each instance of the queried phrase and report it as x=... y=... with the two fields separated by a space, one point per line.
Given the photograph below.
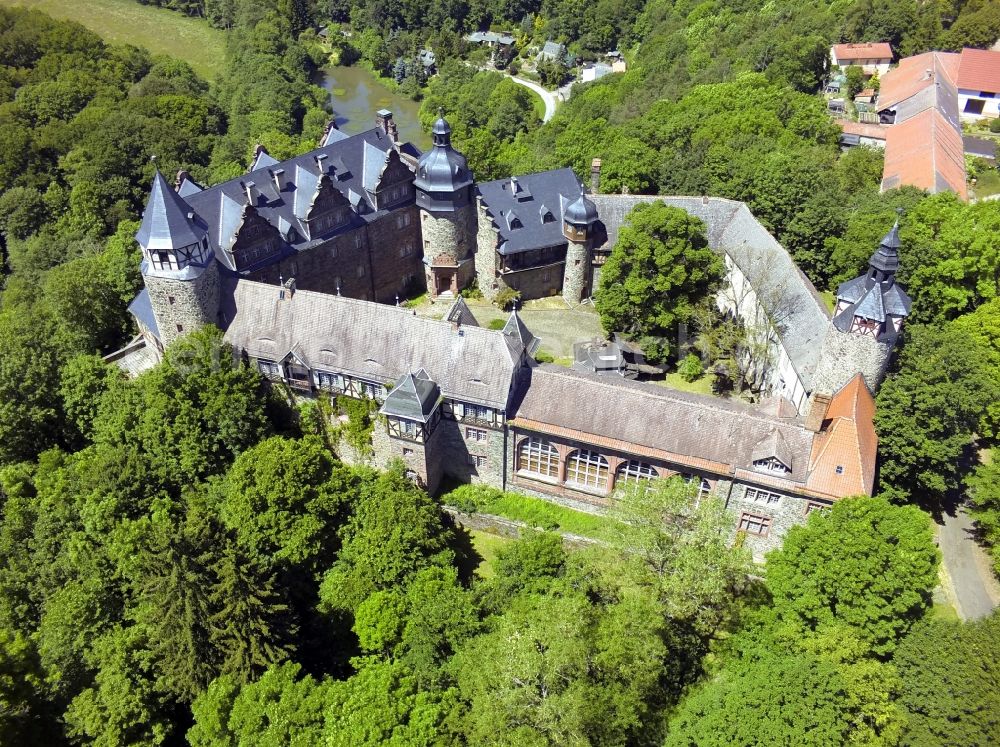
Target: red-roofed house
x=871 y=57
x=979 y=84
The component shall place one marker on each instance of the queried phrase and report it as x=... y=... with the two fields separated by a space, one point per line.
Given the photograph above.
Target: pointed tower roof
x=516 y=329
x=886 y=257
x=165 y=222
x=460 y=313
x=442 y=168
x=414 y=397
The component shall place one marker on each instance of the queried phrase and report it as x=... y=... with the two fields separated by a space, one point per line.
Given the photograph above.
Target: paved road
x=547 y=97
x=976 y=590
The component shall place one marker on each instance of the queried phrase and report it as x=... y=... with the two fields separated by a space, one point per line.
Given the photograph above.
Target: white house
x=979 y=84
x=871 y=57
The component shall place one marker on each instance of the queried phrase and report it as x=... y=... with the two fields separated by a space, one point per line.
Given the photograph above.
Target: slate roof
x=490 y=36
x=414 y=397
x=552 y=50
x=372 y=341
x=980 y=147
x=733 y=230
x=516 y=329
x=460 y=313
x=863 y=51
x=525 y=196
x=142 y=309
x=678 y=426
x=165 y=223
x=773 y=445
x=979 y=70
x=356 y=162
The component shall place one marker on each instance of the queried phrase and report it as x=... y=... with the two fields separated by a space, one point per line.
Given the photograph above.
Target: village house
x=300 y=263
x=871 y=57
x=979 y=84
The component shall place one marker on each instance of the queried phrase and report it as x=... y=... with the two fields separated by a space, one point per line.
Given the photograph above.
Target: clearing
x=159 y=30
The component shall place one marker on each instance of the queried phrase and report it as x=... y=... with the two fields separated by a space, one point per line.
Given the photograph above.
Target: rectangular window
x=357 y=240
x=476 y=434
x=406 y=250
x=763 y=497
x=328 y=381
x=814 y=506
x=407 y=452
x=475 y=460
x=402 y=221
x=477 y=412
x=361 y=271
x=270 y=369
x=170 y=300
x=974 y=106
x=333 y=252
x=180 y=327
x=754 y=524
x=370 y=390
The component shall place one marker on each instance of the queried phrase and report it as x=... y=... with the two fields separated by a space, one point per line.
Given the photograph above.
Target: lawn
x=701 y=385
x=158 y=30
x=487 y=545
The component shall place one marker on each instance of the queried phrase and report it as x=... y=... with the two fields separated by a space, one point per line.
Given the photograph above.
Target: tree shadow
x=467 y=558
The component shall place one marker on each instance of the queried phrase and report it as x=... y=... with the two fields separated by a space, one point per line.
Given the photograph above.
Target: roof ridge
x=698 y=400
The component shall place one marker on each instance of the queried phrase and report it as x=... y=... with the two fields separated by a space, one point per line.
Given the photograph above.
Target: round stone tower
x=447 y=214
x=579 y=217
x=866 y=323
x=178 y=266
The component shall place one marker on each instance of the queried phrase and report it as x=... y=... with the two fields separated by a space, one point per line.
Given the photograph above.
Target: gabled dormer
x=772 y=455
x=255 y=240
x=388 y=180
x=329 y=209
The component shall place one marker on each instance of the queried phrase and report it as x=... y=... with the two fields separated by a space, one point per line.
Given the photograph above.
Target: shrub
x=995 y=125
x=506 y=298
x=543 y=357
x=691 y=368
x=497 y=324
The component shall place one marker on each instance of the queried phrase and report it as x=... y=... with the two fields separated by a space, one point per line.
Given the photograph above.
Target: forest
x=184 y=560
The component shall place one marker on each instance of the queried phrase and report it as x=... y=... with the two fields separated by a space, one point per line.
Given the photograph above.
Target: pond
x=356 y=95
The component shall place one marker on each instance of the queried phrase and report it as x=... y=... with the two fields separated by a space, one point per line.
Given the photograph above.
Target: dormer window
x=164 y=261
x=772 y=465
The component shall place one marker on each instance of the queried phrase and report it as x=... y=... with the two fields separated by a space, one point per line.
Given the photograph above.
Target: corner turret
x=178 y=264
x=867 y=321
x=579 y=217
x=444 y=187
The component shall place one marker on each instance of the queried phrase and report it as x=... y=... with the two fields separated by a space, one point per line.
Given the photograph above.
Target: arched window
x=635 y=471
x=587 y=468
x=539 y=456
x=704 y=486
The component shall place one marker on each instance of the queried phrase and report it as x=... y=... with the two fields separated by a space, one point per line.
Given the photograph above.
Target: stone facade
x=424 y=461
x=574 y=285
x=844 y=354
x=474 y=452
x=182 y=306
x=486 y=253
x=449 y=240
x=763 y=516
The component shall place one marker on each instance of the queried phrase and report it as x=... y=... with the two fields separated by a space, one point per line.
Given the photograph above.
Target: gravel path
x=976 y=590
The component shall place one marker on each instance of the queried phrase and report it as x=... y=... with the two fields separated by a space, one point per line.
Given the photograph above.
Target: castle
x=302 y=264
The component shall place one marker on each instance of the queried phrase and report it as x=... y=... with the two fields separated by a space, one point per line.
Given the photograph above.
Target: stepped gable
x=702 y=432
x=848 y=443
x=802 y=319
x=350 y=162
x=368 y=340
x=523 y=198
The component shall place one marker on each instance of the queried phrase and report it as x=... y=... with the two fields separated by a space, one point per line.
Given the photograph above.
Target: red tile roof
x=925 y=151
x=979 y=70
x=848 y=443
x=865 y=51
x=873 y=131
x=910 y=76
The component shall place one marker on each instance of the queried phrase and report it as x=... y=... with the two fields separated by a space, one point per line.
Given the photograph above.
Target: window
x=974 y=106
x=402 y=221
x=762 y=497
x=408 y=427
x=754 y=524
x=180 y=327
x=771 y=464
x=328 y=380
x=587 y=468
x=370 y=390
x=476 y=412
x=170 y=300
x=987 y=94
x=406 y=250
x=539 y=456
x=814 y=506
x=635 y=472
x=163 y=260
x=361 y=271
x=704 y=486
x=333 y=252
x=269 y=368
x=475 y=434
x=840 y=469
x=357 y=240
x=475 y=460
x=407 y=452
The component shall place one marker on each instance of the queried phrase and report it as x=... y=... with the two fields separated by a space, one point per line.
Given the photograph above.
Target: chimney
x=595 y=176
x=819 y=403
x=280 y=182
x=290 y=287
x=330 y=126
x=253 y=194
x=257 y=150
x=321 y=162
x=383 y=120
x=928 y=74
x=181 y=177
x=393 y=131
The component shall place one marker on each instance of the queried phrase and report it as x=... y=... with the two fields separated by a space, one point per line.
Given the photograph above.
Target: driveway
x=976 y=591
x=547 y=96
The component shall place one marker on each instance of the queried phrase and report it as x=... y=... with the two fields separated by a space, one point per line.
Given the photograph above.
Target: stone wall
x=182 y=306
x=394 y=246
x=458 y=453
x=844 y=354
x=449 y=235
x=788 y=512
x=539 y=282
x=574 y=284
x=423 y=459
x=486 y=253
